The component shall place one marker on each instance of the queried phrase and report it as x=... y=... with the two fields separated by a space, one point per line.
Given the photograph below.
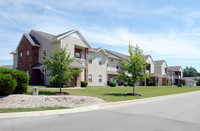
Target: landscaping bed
x=29 y=101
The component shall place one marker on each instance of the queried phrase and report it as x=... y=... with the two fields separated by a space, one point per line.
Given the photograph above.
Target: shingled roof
x=116 y=54
x=159 y=62
x=175 y=68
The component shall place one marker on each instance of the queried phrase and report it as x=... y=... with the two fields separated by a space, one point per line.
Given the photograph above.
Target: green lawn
x=8 y=110
x=112 y=94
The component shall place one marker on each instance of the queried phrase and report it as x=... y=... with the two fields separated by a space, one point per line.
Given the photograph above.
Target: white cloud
x=173 y=45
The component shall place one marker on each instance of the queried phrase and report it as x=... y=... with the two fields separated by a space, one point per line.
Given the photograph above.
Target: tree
x=190 y=72
x=58 y=65
x=132 y=69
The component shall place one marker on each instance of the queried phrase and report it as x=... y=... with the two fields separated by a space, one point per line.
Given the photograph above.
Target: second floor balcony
x=81 y=61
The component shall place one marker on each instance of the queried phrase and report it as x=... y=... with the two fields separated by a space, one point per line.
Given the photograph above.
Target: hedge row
x=13 y=81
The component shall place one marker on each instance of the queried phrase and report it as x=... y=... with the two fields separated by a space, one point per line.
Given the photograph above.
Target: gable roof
x=160 y=62
x=97 y=50
x=149 y=56
x=61 y=36
x=30 y=38
x=44 y=34
x=116 y=54
x=175 y=68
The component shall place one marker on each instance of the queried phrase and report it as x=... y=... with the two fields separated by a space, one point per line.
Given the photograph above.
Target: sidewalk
x=88 y=108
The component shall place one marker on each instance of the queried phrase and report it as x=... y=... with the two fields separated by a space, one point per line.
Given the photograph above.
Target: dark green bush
x=84 y=83
x=21 y=77
x=198 y=82
x=22 y=82
x=125 y=84
x=113 y=84
x=180 y=85
x=130 y=84
x=151 y=82
x=7 y=84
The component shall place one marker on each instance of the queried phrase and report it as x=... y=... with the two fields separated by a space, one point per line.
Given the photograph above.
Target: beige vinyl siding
x=70 y=42
x=112 y=64
x=158 y=70
x=95 y=69
x=15 y=61
x=149 y=61
x=163 y=68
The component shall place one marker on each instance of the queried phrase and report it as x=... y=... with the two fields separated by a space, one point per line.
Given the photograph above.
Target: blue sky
x=167 y=30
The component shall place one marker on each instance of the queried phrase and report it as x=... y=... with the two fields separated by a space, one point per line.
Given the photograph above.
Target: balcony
x=81 y=61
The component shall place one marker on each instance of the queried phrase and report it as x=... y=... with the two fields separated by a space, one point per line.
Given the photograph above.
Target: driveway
x=174 y=113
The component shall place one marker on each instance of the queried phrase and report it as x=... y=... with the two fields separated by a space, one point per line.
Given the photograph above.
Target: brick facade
x=78 y=80
x=164 y=81
x=25 y=63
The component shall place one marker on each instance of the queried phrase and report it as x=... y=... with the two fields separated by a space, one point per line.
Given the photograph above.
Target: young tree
x=58 y=65
x=132 y=69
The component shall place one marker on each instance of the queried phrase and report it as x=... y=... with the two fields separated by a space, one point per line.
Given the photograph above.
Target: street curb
x=87 y=108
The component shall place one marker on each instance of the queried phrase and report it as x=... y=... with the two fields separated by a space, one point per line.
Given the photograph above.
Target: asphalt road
x=176 y=113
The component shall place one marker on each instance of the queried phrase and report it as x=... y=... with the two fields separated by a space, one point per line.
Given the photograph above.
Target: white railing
x=81 y=61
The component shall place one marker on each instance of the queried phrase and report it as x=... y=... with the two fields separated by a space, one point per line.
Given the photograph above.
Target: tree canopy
x=132 y=69
x=58 y=65
x=190 y=72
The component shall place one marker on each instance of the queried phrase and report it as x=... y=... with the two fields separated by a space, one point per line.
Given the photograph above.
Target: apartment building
x=161 y=71
x=99 y=66
x=28 y=55
x=176 y=74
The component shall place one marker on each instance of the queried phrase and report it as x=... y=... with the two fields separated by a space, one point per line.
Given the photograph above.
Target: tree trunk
x=60 y=87
x=134 y=89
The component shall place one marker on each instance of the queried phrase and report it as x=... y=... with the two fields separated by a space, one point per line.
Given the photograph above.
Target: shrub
x=151 y=82
x=130 y=84
x=180 y=85
x=7 y=84
x=125 y=84
x=84 y=83
x=22 y=82
x=198 y=82
x=21 y=77
x=113 y=84
x=170 y=83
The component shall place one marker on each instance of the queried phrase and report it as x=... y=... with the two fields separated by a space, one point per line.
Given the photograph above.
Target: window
x=90 y=78
x=90 y=59
x=27 y=54
x=165 y=70
x=21 y=54
x=78 y=55
x=100 y=61
x=44 y=53
x=100 y=78
x=117 y=65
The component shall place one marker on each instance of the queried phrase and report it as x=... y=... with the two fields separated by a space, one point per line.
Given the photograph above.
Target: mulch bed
x=134 y=94
x=62 y=93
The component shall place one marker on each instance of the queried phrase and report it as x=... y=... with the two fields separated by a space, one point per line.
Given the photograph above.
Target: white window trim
x=100 y=78
x=89 y=78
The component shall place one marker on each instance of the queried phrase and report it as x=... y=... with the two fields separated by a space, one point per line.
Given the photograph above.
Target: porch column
x=86 y=64
x=78 y=80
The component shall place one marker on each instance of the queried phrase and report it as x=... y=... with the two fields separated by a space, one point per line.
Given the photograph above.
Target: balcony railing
x=81 y=61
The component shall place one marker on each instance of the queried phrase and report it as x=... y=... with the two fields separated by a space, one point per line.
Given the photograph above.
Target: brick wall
x=164 y=81
x=78 y=80
x=25 y=64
